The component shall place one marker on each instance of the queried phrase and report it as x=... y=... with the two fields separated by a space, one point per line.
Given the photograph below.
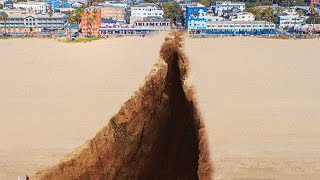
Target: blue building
x=196 y=19
x=8 y=4
x=54 y=5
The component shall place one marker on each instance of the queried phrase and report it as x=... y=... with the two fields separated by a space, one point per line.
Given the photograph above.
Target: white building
x=214 y=18
x=153 y=23
x=143 y=11
x=243 y=16
x=290 y=20
x=221 y=6
x=31 y=6
x=240 y=27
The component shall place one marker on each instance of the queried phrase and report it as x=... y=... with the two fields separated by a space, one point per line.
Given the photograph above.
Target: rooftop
x=23 y=14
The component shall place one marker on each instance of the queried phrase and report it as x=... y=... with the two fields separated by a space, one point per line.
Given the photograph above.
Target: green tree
x=255 y=11
x=1 y=6
x=299 y=3
x=267 y=14
x=172 y=11
x=4 y=17
x=313 y=18
x=93 y=19
x=205 y=3
x=75 y=16
x=300 y=12
x=279 y=10
x=50 y=13
x=266 y=3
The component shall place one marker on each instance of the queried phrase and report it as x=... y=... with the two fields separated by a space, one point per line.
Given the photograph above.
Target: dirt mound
x=157 y=134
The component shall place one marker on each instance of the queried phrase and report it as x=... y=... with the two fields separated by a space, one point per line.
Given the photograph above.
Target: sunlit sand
x=258 y=97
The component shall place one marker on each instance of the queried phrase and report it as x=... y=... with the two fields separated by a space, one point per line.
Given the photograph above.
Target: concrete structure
x=196 y=18
x=143 y=11
x=306 y=28
x=83 y=2
x=66 y=10
x=91 y=21
x=115 y=4
x=153 y=23
x=28 y=22
x=243 y=16
x=115 y=13
x=239 y=27
x=31 y=6
x=214 y=18
x=221 y=6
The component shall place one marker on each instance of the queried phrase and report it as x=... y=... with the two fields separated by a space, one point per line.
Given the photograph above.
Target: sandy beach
x=259 y=99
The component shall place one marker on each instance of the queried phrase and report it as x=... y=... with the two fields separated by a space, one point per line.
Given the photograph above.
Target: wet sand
x=259 y=99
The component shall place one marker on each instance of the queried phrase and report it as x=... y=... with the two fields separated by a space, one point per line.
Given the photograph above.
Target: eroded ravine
x=157 y=134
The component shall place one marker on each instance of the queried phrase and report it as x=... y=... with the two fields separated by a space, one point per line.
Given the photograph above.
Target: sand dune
x=259 y=99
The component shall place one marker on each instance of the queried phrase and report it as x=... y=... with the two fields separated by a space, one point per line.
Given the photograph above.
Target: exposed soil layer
x=157 y=134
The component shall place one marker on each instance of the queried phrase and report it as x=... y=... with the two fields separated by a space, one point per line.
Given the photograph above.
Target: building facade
x=243 y=16
x=221 y=6
x=240 y=27
x=29 y=22
x=312 y=2
x=115 y=13
x=196 y=18
x=153 y=23
x=290 y=20
x=143 y=11
x=31 y=6
x=91 y=21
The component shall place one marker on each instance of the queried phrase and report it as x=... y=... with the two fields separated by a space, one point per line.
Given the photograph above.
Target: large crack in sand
x=157 y=134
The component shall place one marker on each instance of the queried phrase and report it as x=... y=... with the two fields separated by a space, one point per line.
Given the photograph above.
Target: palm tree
x=93 y=19
x=313 y=15
x=4 y=17
x=279 y=10
x=50 y=13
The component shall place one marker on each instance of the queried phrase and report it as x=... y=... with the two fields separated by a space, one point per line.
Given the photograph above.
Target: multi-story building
x=115 y=13
x=242 y=16
x=91 y=21
x=289 y=20
x=28 y=22
x=53 y=5
x=31 y=6
x=196 y=18
x=312 y=2
x=153 y=23
x=8 y=4
x=221 y=6
x=143 y=11
x=240 y=27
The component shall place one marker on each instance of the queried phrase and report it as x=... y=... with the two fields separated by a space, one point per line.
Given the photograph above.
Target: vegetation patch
x=80 y=39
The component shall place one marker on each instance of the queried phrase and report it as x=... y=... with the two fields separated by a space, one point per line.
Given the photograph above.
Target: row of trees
x=266 y=14
x=4 y=17
x=269 y=15
x=75 y=17
x=313 y=16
